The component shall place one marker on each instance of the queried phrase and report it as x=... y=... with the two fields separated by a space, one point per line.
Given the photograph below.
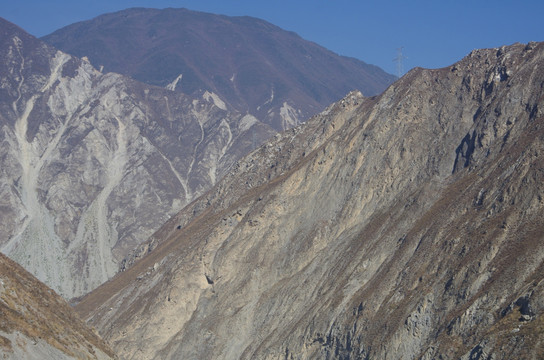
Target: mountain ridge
x=401 y=226
x=254 y=66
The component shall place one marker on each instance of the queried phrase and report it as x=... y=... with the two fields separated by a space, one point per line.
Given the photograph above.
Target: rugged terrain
x=252 y=65
x=406 y=225
x=36 y=323
x=91 y=164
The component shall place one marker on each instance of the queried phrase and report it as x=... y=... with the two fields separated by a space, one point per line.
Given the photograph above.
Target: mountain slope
x=36 y=323
x=252 y=65
x=397 y=227
x=92 y=164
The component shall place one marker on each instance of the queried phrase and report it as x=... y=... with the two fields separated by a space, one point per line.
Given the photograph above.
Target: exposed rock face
x=92 y=164
x=403 y=226
x=36 y=323
x=251 y=65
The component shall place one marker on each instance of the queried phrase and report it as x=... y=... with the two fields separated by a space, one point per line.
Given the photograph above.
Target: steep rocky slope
x=403 y=226
x=92 y=164
x=36 y=323
x=252 y=65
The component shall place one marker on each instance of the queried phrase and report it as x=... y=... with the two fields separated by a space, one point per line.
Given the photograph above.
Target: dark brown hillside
x=37 y=323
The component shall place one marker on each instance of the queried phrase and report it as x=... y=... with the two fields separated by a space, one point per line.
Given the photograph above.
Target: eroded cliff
x=402 y=226
x=91 y=164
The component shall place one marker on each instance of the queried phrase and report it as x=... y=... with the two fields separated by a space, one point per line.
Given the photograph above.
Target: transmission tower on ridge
x=398 y=60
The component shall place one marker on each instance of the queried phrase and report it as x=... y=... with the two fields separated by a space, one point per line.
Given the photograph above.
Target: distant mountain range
x=250 y=64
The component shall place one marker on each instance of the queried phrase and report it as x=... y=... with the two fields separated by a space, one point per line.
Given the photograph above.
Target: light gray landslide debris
x=93 y=163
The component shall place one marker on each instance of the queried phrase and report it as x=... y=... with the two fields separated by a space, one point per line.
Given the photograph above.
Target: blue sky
x=432 y=33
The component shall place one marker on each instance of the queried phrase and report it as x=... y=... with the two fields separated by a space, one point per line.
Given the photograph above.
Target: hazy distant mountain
x=251 y=65
x=91 y=164
x=36 y=323
x=405 y=226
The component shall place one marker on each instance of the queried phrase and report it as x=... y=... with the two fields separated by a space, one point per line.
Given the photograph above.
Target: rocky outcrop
x=250 y=64
x=36 y=323
x=91 y=164
x=402 y=226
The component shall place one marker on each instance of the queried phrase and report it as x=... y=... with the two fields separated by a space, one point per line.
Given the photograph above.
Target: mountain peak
x=255 y=66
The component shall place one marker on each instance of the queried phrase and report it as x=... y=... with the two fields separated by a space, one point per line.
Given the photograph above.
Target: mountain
x=36 y=323
x=249 y=64
x=91 y=164
x=402 y=226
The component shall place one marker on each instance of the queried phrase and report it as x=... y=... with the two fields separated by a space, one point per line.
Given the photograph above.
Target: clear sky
x=432 y=34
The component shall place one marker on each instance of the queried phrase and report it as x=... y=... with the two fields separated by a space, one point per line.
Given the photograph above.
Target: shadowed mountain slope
x=404 y=226
x=251 y=65
x=36 y=323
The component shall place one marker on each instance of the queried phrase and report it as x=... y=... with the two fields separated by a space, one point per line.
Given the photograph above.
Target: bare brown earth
x=403 y=226
x=36 y=323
